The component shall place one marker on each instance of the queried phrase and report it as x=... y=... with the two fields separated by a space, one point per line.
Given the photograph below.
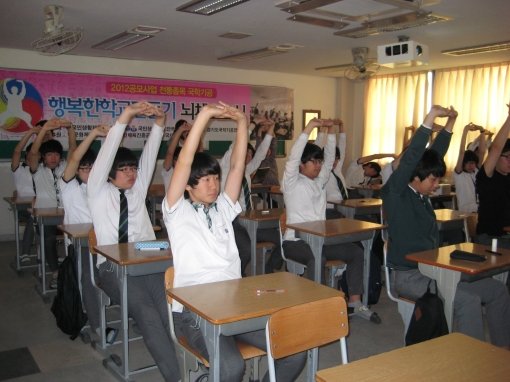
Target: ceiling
x=193 y=39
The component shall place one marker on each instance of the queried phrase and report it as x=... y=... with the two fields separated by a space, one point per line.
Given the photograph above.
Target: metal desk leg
x=312 y=364
x=124 y=322
x=251 y=227
x=16 y=234
x=211 y=335
x=77 y=249
x=367 y=248
x=316 y=243
x=42 y=265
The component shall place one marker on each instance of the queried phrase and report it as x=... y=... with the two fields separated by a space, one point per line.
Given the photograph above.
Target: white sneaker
x=364 y=312
x=24 y=259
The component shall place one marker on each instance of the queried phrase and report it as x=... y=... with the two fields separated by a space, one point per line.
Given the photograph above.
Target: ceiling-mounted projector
x=403 y=53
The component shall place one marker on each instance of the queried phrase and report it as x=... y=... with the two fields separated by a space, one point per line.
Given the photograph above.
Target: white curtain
x=478 y=93
x=393 y=102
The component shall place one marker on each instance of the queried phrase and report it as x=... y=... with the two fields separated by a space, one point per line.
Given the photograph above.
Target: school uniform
x=24 y=185
x=74 y=200
x=263 y=234
x=204 y=250
x=465 y=191
x=305 y=200
x=146 y=294
x=49 y=196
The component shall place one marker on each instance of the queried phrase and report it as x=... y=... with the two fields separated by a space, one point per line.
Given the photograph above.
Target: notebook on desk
x=260 y=175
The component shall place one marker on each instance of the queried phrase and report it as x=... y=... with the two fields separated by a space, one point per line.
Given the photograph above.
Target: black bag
x=428 y=320
x=374 y=281
x=66 y=305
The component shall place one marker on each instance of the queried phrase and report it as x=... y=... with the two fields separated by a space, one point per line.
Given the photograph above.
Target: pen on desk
x=151 y=249
x=262 y=291
x=493 y=252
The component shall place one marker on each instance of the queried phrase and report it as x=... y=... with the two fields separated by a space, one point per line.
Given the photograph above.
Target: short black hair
x=88 y=158
x=469 y=156
x=373 y=165
x=124 y=157
x=203 y=165
x=51 y=146
x=311 y=151
x=431 y=163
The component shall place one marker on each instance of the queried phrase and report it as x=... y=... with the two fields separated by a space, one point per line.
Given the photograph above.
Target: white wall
x=309 y=93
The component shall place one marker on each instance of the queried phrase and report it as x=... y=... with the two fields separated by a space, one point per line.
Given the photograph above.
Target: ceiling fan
x=56 y=39
x=361 y=67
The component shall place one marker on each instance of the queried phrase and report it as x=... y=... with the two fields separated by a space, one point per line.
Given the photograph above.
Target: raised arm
x=74 y=159
x=172 y=145
x=497 y=147
x=16 y=154
x=370 y=158
x=52 y=124
x=71 y=139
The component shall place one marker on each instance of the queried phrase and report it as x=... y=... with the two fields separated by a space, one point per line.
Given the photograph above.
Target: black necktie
x=123 y=218
x=246 y=193
x=340 y=186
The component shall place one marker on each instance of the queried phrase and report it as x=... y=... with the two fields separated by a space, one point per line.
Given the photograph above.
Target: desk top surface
x=76 y=230
x=48 y=212
x=126 y=254
x=358 y=203
x=234 y=300
x=275 y=190
x=15 y=200
x=445 y=215
x=440 y=257
x=454 y=357
x=335 y=227
x=261 y=215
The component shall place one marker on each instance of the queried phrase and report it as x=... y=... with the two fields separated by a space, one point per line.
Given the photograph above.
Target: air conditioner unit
x=404 y=53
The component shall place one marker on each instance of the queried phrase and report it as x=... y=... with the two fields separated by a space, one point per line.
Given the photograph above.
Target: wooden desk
x=45 y=216
x=337 y=231
x=79 y=235
x=452 y=219
x=437 y=265
x=155 y=195
x=17 y=205
x=352 y=207
x=454 y=357
x=233 y=307
x=253 y=220
x=130 y=261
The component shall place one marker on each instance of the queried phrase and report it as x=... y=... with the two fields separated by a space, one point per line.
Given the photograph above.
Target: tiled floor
x=27 y=321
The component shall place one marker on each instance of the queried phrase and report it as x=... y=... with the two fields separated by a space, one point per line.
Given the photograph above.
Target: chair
x=304 y=327
x=405 y=306
x=335 y=268
x=190 y=358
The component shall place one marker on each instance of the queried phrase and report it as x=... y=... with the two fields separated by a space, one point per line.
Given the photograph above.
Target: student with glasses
x=493 y=188
x=306 y=173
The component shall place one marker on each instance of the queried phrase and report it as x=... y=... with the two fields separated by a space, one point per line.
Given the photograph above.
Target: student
x=466 y=169
x=116 y=174
x=202 y=237
x=73 y=185
x=24 y=185
x=46 y=176
x=493 y=188
x=303 y=185
x=364 y=173
x=336 y=187
x=412 y=227
x=253 y=160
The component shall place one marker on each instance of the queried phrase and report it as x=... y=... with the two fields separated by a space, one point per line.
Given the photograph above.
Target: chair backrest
x=325 y=321
x=92 y=241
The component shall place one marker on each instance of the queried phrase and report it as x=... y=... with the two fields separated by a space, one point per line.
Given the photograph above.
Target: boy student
x=202 y=237
x=493 y=188
x=24 y=185
x=364 y=173
x=412 y=227
x=73 y=185
x=252 y=161
x=46 y=176
x=306 y=173
x=116 y=191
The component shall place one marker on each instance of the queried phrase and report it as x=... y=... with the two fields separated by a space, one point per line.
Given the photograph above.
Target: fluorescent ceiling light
x=259 y=53
x=208 y=7
x=304 y=6
x=130 y=37
x=493 y=47
x=319 y=21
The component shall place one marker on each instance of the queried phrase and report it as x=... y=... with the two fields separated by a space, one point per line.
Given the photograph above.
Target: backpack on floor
x=66 y=305
x=428 y=320
x=374 y=281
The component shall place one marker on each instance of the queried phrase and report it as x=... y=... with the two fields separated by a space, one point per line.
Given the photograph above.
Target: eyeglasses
x=317 y=161
x=128 y=169
x=506 y=156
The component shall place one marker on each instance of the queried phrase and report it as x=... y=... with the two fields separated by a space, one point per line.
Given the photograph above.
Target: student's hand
x=234 y=113
x=56 y=123
x=35 y=130
x=159 y=114
x=452 y=113
x=101 y=130
x=439 y=111
x=137 y=108
x=338 y=122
